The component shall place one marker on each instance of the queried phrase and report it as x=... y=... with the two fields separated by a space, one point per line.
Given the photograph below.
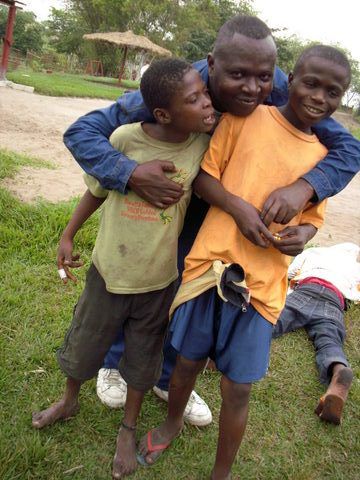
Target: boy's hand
x=66 y=259
x=150 y=183
x=292 y=240
x=248 y=220
x=284 y=203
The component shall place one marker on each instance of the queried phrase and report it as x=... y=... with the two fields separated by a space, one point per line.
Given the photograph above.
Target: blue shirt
x=87 y=139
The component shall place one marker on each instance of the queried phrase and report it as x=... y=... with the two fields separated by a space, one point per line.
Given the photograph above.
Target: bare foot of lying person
x=331 y=405
x=125 y=462
x=58 y=411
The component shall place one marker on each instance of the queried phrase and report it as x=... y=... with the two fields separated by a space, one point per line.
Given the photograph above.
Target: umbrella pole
x=122 y=67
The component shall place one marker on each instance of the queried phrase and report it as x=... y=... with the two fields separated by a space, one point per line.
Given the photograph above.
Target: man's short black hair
x=247 y=25
x=161 y=80
x=324 y=51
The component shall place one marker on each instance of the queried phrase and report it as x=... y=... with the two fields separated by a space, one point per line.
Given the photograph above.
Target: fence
x=56 y=62
x=44 y=62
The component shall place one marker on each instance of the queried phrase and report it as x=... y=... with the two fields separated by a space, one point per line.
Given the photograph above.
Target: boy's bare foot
x=153 y=444
x=59 y=411
x=331 y=405
x=125 y=462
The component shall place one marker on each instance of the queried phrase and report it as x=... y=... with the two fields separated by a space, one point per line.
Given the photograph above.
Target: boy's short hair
x=247 y=25
x=324 y=51
x=161 y=80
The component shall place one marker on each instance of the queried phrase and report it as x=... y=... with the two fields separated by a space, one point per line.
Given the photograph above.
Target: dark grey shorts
x=99 y=316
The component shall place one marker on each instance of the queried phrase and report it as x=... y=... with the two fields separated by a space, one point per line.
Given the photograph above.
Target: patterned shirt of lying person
x=136 y=246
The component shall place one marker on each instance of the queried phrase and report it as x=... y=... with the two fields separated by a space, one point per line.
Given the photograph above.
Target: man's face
x=241 y=74
x=191 y=109
x=315 y=91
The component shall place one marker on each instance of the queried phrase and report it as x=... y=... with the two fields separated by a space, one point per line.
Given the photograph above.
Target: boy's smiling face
x=191 y=109
x=315 y=91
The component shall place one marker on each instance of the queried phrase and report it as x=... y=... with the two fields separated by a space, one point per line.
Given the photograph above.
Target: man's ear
x=290 y=79
x=162 y=116
x=210 y=62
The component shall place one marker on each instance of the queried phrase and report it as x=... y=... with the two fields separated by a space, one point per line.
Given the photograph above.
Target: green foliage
x=356 y=132
x=288 y=51
x=28 y=33
x=195 y=33
x=65 y=30
x=352 y=96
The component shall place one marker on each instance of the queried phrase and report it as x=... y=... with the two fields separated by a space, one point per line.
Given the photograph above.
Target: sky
x=41 y=8
x=329 y=21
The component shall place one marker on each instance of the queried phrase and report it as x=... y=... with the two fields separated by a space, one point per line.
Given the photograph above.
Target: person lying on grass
x=321 y=279
x=248 y=158
x=132 y=279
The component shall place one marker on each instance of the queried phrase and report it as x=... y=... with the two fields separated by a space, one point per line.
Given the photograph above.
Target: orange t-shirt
x=252 y=157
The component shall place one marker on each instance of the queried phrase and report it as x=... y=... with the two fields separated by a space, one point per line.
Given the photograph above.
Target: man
x=236 y=85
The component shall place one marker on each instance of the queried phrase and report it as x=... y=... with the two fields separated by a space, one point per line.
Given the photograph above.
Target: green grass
x=113 y=81
x=11 y=162
x=284 y=439
x=356 y=132
x=67 y=85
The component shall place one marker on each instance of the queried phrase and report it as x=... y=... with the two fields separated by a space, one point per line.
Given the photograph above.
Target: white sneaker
x=111 y=388
x=197 y=411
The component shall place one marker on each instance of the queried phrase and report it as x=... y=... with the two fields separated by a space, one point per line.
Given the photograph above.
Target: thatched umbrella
x=128 y=40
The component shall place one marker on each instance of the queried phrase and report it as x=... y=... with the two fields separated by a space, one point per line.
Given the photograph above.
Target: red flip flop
x=151 y=448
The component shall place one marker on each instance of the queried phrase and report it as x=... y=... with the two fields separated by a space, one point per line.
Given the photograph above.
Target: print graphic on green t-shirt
x=179 y=177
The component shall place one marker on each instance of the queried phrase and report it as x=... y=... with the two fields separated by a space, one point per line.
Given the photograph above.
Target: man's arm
x=341 y=163
x=88 y=141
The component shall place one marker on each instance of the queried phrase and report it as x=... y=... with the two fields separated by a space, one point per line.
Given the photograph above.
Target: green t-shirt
x=136 y=246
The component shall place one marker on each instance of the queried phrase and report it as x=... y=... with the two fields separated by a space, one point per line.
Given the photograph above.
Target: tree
x=288 y=50
x=198 y=23
x=28 y=33
x=352 y=95
x=187 y=27
x=65 y=30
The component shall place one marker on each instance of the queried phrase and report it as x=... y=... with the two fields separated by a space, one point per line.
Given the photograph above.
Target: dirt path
x=34 y=124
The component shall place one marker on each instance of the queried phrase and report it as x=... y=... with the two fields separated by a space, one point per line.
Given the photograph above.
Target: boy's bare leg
x=66 y=407
x=182 y=383
x=331 y=405
x=125 y=461
x=232 y=424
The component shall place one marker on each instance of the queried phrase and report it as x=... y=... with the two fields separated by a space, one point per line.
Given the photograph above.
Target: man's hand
x=66 y=259
x=293 y=239
x=284 y=203
x=150 y=183
x=248 y=220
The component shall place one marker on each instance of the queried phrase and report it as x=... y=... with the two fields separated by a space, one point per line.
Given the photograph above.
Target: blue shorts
x=238 y=342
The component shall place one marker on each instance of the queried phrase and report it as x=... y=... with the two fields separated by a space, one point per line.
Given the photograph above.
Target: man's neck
x=164 y=133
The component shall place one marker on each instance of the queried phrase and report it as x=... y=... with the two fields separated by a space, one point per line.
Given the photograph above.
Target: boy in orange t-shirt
x=248 y=158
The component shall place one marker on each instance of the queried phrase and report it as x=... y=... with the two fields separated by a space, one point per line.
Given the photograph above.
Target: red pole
x=8 y=40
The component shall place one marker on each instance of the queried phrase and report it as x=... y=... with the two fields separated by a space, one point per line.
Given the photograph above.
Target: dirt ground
x=34 y=125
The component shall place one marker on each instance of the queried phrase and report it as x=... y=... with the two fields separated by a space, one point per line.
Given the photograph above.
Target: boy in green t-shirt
x=132 y=279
